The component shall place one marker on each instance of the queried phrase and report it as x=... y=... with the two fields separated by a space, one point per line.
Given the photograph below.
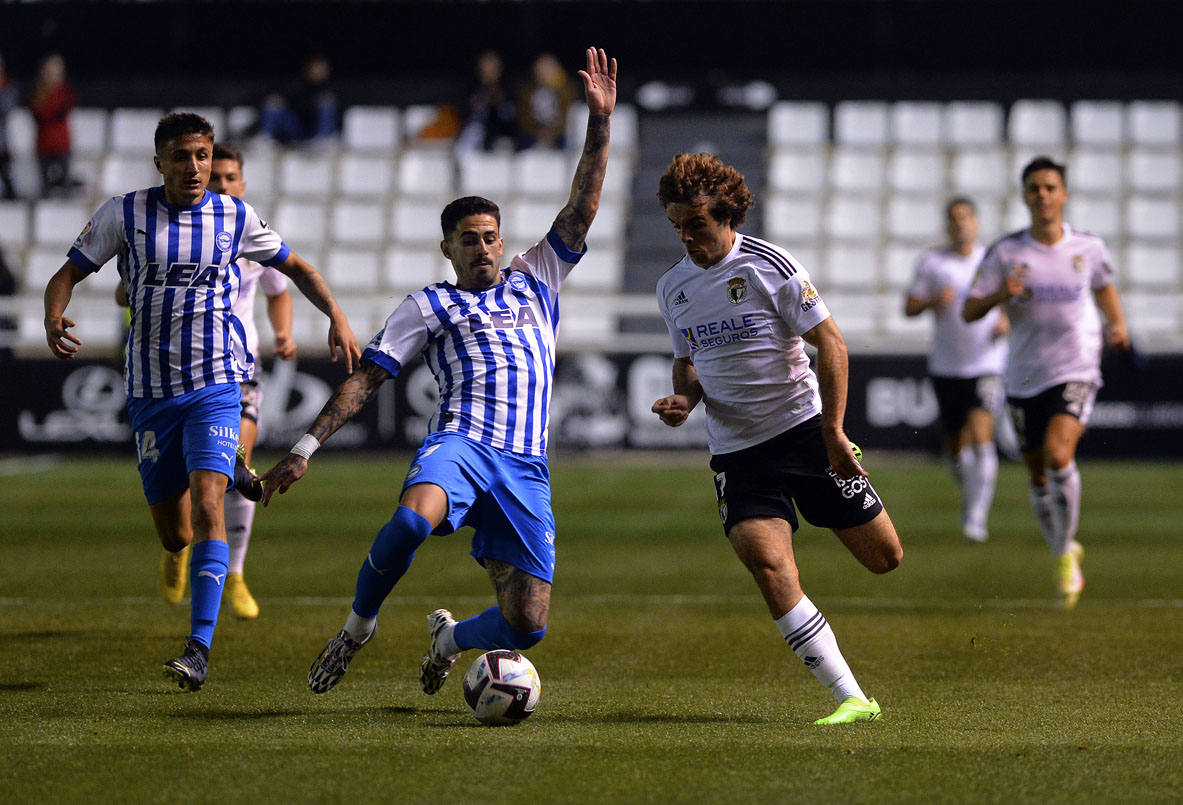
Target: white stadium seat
x=259 y=169
x=607 y=231
x=1152 y=218
x=899 y=266
x=981 y=171
x=1154 y=170
x=132 y=130
x=485 y=173
x=365 y=176
x=302 y=224
x=801 y=171
x=1154 y=313
x=851 y=267
x=372 y=128
x=307 y=173
x=15 y=229
x=798 y=124
x=88 y=131
x=417 y=220
x=862 y=123
x=917 y=171
x=989 y=218
x=408 y=268
x=600 y=270
x=857 y=169
x=1095 y=170
x=852 y=217
x=1150 y=267
x=857 y=316
x=353 y=269
x=1100 y=215
x=121 y=173
x=240 y=120
x=915 y=219
x=426 y=171
x=22 y=132
x=1015 y=215
x=1037 y=123
x=916 y=123
x=57 y=222
x=540 y=172
x=1153 y=122
x=41 y=262
x=357 y=223
x=792 y=219
x=973 y=123
x=1097 y=123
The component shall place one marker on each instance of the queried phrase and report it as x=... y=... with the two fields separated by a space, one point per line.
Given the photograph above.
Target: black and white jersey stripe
x=759 y=248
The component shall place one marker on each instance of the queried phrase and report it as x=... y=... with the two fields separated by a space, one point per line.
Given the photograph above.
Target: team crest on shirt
x=224 y=241
x=737 y=290
x=517 y=282
x=1078 y=263
x=85 y=231
x=808 y=296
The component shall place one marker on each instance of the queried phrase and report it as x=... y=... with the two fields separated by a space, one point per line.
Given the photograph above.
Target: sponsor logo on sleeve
x=808 y=296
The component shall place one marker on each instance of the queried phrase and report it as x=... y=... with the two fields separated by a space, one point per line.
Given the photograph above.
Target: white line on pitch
x=23 y=465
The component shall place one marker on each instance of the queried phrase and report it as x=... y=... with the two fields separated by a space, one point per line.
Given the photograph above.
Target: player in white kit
x=964 y=363
x=1051 y=279
x=737 y=309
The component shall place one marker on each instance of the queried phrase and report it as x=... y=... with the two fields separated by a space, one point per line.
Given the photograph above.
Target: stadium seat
x=607 y=231
x=791 y=219
x=302 y=224
x=132 y=130
x=1099 y=123
x=15 y=231
x=426 y=171
x=216 y=116
x=857 y=169
x=857 y=316
x=799 y=171
x=485 y=173
x=861 y=123
x=1152 y=218
x=1153 y=123
x=1100 y=214
x=365 y=176
x=1153 y=314
x=1154 y=170
x=22 y=132
x=1037 y=123
x=417 y=221
x=980 y=172
x=1148 y=267
x=241 y=121
x=973 y=123
x=989 y=219
x=899 y=266
x=408 y=268
x=587 y=319
x=348 y=269
x=798 y=124
x=916 y=219
x=538 y=172
x=415 y=118
x=1095 y=170
x=600 y=270
x=916 y=171
x=358 y=223
x=121 y=172
x=39 y=264
x=896 y=325
x=372 y=128
x=853 y=268
x=88 y=131
x=58 y=222
x=259 y=168
x=1015 y=215
x=916 y=123
x=852 y=217
x=624 y=128
x=306 y=173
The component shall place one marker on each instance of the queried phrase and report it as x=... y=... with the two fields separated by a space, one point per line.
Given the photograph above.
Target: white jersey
x=959 y=349
x=254 y=276
x=740 y=322
x=178 y=267
x=492 y=351
x=1055 y=334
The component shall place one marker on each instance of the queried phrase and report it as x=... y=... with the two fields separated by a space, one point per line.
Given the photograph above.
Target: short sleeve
x=402 y=337
x=989 y=277
x=549 y=260
x=1102 y=273
x=101 y=239
x=681 y=347
x=259 y=241
x=273 y=282
x=793 y=295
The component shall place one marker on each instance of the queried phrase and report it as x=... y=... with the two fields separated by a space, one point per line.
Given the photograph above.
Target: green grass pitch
x=664 y=679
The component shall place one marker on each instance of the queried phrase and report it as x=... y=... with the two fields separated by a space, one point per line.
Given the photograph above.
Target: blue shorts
x=504 y=496
x=176 y=435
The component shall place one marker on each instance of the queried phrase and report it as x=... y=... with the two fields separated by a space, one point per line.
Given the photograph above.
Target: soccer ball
x=501 y=688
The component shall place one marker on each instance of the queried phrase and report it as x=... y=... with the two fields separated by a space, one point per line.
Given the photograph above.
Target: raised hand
x=599 y=82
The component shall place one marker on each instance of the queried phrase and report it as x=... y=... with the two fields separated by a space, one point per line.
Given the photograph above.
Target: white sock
x=810 y=637
x=359 y=628
x=240 y=514
x=979 y=486
x=1064 y=484
x=446 y=642
x=1047 y=516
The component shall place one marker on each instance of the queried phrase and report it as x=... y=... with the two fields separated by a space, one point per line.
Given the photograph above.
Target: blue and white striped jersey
x=178 y=267
x=492 y=351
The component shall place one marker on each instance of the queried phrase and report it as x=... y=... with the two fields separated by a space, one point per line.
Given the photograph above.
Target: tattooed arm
x=599 y=81
x=349 y=398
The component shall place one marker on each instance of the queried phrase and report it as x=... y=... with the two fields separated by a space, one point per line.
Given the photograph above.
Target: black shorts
x=252 y=398
x=767 y=479
x=1030 y=415
x=957 y=396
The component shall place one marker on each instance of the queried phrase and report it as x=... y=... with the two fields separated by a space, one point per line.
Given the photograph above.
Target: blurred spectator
x=7 y=323
x=8 y=101
x=542 y=108
x=51 y=103
x=308 y=111
x=491 y=117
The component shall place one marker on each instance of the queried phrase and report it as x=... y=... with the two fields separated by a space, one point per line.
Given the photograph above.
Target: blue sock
x=491 y=630
x=388 y=559
x=207 y=572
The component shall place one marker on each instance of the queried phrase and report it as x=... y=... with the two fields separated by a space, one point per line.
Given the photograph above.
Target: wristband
x=306 y=446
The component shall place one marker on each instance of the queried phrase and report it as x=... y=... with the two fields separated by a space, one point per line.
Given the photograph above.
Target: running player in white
x=1048 y=277
x=489 y=339
x=176 y=247
x=737 y=309
x=964 y=364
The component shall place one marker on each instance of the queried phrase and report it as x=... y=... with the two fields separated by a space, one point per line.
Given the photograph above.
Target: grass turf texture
x=663 y=676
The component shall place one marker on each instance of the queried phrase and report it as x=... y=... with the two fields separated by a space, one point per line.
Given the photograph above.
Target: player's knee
x=399 y=538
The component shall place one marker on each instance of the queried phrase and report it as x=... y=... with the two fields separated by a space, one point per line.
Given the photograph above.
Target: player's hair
x=464 y=207
x=691 y=178
x=223 y=151
x=177 y=124
x=956 y=201
x=1044 y=164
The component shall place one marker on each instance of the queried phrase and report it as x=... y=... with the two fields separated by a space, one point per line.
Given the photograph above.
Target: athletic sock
x=1047 y=517
x=240 y=514
x=810 y=637
x=388 y=559
x=359 y=628
x=207 y=573
x=490 y=630
x=967 y=479
x=979 y=493
x=1065 y=494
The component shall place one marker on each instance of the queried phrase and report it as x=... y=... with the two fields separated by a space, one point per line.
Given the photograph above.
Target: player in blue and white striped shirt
x=176 y=247
x=489 y=338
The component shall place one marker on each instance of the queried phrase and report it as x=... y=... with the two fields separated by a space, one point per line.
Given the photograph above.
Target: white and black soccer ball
x=502 y=688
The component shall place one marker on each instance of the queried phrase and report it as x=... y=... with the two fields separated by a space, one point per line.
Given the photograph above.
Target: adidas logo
x=868 y=502
x=812 y=662
x=681 y=299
